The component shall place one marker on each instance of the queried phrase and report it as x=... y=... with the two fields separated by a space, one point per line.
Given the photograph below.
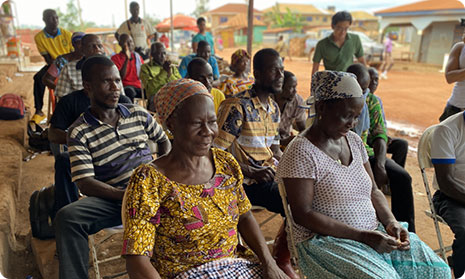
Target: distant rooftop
x=425 y=6
x=240 y=21
x=362 y=15
x=297 y=8
x=232 y=9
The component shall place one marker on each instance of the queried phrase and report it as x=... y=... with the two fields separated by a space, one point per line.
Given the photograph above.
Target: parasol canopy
x=180 y=21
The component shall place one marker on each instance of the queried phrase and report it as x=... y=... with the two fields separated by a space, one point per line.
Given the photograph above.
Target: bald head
x=91 y=45
x=50 y=18
x=158 y=53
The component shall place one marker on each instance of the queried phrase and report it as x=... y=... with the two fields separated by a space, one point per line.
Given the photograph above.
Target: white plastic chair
x=424 y=162
x=289 y=226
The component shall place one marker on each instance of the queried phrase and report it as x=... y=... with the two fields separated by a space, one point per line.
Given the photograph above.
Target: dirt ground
x=413 y=95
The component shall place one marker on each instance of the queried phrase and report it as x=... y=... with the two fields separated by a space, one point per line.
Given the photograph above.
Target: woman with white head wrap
x=344 y=227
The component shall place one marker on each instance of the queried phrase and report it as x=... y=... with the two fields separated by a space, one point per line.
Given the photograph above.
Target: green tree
x=70 y=19
x=152 y=19
x=288 y=19
x=201 y=7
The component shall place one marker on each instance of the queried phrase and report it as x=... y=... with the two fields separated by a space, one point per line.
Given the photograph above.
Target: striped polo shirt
x=110 y=154
x=247 y=129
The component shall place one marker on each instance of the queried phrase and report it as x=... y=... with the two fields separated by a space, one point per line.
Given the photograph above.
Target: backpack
x=11 y=107
x=40 y=212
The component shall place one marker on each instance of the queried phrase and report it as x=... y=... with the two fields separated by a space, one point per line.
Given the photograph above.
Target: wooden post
x=250 y=27
x=172 y=26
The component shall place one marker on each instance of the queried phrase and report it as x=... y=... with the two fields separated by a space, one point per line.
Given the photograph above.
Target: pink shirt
x=131 y=78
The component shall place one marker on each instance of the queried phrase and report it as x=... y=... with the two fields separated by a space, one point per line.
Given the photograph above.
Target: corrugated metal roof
x=362 y=15
x=232 y=8
x=297 y=8
x=240 y=21
x=428 y=5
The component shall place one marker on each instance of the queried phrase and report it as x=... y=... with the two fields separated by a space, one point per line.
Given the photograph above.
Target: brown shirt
x=293 y=111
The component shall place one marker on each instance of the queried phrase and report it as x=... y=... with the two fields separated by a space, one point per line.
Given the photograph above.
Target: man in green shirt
x=338 y=49
x=158 y=71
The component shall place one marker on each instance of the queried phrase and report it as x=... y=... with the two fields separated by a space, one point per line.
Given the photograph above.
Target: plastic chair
x=109 y=233
x=424 y=162
x=289 y=226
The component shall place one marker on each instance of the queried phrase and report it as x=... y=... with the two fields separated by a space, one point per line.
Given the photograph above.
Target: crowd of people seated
x=183 y=173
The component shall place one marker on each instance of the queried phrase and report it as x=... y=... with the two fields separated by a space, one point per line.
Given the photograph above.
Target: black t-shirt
x=70 y=107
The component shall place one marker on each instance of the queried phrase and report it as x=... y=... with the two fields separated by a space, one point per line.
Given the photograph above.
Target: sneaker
x=37 y=118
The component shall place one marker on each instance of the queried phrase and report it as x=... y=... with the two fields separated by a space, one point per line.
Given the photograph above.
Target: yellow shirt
x=54 y=46
x=218 y=97
x=183 y=226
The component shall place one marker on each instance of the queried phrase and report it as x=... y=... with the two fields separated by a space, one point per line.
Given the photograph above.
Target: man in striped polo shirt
x=105 y=144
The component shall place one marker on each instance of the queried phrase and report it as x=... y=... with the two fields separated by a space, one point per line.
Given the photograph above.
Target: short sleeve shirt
x=208 y=37
x=187 y=59
x=70 y=79
x=110 y=154
x=338 y=58
x=54 y=45
x=248 y=129
x=340 y=192
x=218 y=98
x=131 y=78
x=293 y=111
x=182 y=226
x=448 y=145
x=139 y=31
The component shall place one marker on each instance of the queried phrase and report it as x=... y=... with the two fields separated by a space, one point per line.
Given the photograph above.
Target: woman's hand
x=400 y=233
x=272 y=271
x=379 y=241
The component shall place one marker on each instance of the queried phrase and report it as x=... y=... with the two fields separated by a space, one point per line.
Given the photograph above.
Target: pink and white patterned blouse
x=340 y=192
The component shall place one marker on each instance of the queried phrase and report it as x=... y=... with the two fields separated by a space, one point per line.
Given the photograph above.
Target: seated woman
x=241 y=80
x=184 y=210
x=343 y=225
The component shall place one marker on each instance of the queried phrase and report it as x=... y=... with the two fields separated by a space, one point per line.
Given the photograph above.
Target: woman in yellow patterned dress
x=242 y=79
x=184 y=210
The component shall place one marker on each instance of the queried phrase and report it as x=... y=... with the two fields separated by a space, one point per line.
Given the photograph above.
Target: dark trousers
x=400 y=184
x=398 y=148
x=266 y=195
x=453 y=213
x=39 y=88
x=448 y=111
x=73 y=224
x=132 y=92
x=66 y=191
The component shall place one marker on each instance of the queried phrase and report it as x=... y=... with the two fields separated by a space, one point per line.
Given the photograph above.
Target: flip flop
x=37 y=118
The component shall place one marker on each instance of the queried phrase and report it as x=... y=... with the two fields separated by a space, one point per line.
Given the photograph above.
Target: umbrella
x=180 y=21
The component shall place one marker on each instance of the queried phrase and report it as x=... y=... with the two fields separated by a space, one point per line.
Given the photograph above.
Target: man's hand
x=167 y=67
x=380 y=175
x=262 y=175
x=379 y=241
x=401 y=235
x=127 y=51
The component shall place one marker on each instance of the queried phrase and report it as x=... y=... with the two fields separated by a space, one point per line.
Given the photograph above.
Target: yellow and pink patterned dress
x=232 y=85
x=184 y=226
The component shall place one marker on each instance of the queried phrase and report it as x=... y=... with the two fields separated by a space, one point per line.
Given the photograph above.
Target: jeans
x=400 y=184
x=39 y=88
x=266 y=195
x=66 y=191
x=73 y=224
x=453 y=213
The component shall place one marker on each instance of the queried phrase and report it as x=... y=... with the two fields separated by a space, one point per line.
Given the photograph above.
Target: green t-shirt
x=338 y=58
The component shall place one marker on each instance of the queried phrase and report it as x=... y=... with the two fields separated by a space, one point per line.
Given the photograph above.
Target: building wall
x=440 y=42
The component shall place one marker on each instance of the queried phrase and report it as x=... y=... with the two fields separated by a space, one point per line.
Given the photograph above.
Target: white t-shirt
x=448 y=145
x=138 y=31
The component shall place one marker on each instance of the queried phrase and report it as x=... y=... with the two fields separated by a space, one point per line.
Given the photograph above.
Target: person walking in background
x=455 y=72
x=51 y=42
x=282 y=48
x=203 y=35
x=139 y=29
x=388 y=61
x=338 y=49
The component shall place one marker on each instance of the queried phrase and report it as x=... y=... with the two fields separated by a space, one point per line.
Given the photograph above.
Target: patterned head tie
x=237 y=55
x=173 y=93
x=77 y=36
x=329 y=85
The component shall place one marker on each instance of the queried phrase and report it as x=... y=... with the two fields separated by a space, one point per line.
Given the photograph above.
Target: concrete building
x=365 y=22
x=234 y=31
x=223 y=14
x=435 y=25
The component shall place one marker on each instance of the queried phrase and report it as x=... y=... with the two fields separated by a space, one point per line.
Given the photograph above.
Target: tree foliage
x=201 y=6
x=152 y=19
x=70 y=19
x=288 y=19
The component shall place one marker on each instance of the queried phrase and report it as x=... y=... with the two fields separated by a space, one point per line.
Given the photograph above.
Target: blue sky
x=105 y=12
